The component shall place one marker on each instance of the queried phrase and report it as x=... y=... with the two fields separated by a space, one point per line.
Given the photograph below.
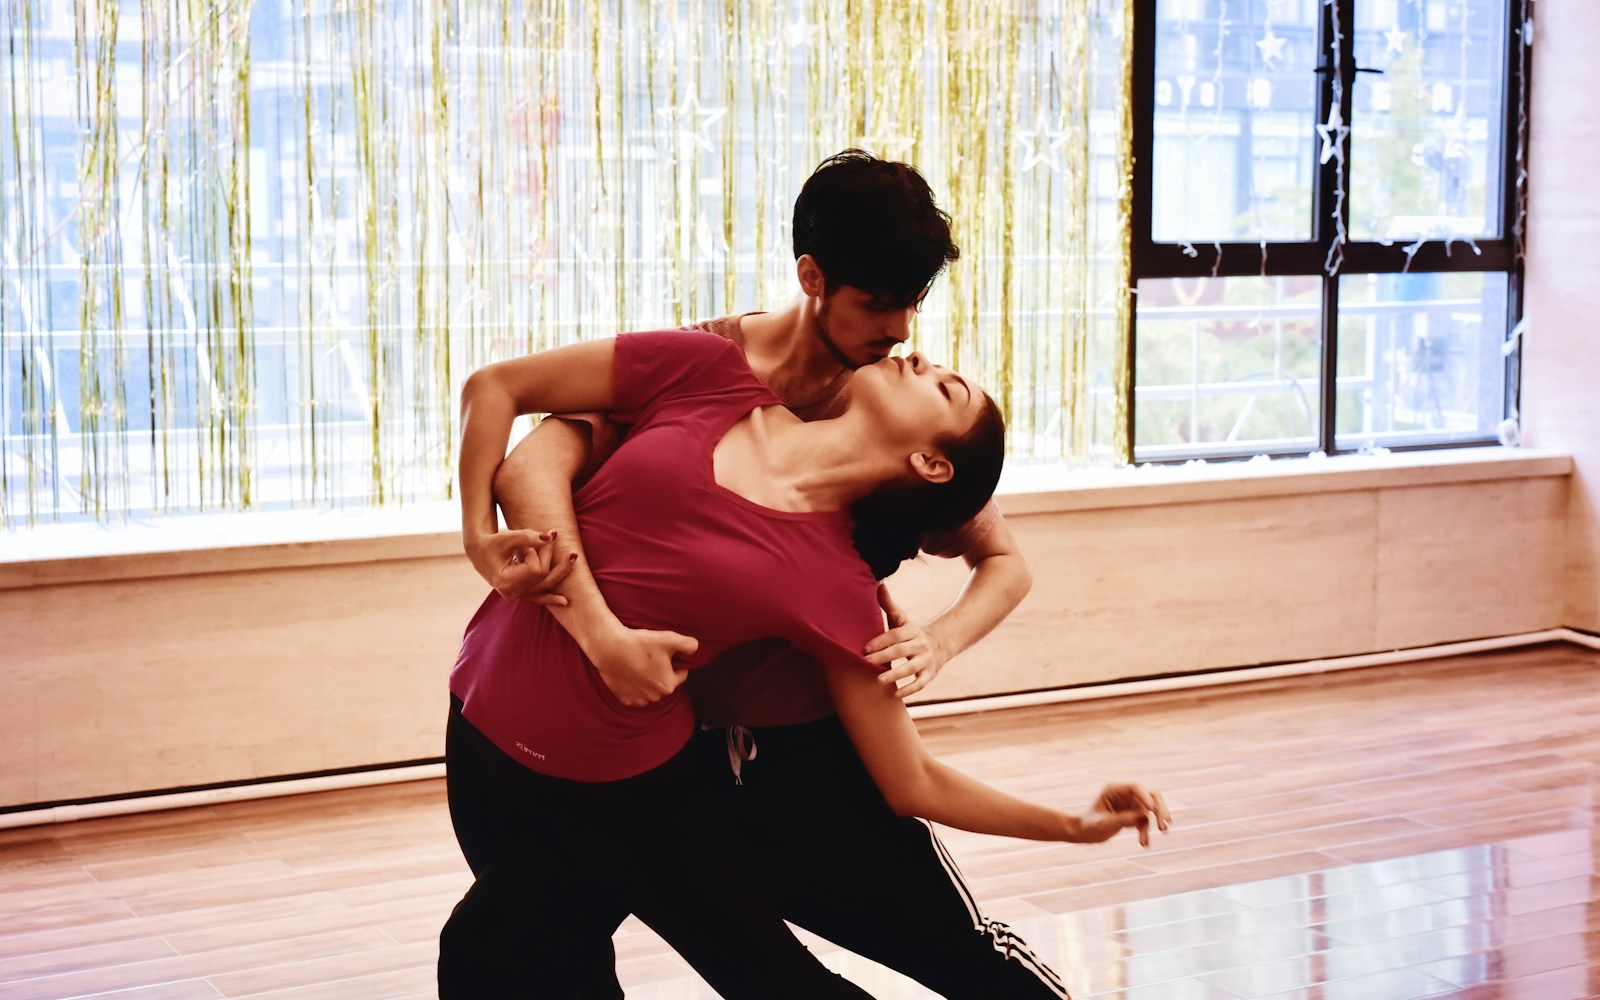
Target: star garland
x=1333 y=133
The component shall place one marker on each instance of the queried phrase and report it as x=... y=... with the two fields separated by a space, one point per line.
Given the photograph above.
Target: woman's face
x=914 y=402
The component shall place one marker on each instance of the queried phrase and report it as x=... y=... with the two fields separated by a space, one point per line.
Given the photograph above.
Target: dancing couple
x=680 y=702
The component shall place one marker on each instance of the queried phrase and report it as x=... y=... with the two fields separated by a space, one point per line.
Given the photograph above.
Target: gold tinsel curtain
x=249 y=251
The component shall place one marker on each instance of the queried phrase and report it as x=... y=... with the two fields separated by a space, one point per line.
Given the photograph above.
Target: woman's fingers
x=1135 y=806
x=529 y=567
x=541 y=591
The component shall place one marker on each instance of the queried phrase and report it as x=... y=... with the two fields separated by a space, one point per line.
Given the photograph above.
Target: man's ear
x=812 y=280
x=932 y=466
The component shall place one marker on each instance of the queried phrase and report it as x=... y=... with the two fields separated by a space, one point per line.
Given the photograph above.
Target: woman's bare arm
x=566 y=379
x=915 y=783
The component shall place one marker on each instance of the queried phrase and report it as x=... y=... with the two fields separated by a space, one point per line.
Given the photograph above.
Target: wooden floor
x=1419 y=830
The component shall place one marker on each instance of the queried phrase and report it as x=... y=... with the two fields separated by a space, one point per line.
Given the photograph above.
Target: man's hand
x=521 y=564
x=921 y=651
x=1121 y=806
x=637 y=664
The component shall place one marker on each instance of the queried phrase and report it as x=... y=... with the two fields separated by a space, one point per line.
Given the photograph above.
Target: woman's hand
x=520 y=564
x=1119 y=807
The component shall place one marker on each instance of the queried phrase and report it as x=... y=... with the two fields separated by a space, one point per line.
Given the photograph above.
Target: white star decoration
x=1397 y=41
x=1040 y=144
x=1333 y=133
x=692 y=121
x=890 y=147
x=1271 y=47
x=801 y=33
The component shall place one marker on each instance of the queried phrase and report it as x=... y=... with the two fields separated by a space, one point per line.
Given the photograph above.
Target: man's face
x=860 y=328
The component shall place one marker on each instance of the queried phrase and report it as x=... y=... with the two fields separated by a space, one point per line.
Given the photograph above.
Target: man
x=869 y=241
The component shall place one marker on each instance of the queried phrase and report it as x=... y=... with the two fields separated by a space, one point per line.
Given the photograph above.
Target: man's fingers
x=907 y=671
x=918 y=682
x=896 y=674
x=892 y=652
x=893 y=637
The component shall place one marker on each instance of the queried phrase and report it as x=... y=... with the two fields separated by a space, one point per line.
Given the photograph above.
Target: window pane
x=1227 y=365
x=1235 y=99
x=1419 y=357
x=1426 y=139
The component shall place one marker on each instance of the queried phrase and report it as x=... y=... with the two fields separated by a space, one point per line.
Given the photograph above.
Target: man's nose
x=899 y=325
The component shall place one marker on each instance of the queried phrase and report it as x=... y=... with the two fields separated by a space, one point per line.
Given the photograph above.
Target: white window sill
x=1046 y=489
x=228 y=543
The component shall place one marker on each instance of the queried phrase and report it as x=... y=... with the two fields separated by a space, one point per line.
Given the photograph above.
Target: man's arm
x=998 y=581
x=534 y=486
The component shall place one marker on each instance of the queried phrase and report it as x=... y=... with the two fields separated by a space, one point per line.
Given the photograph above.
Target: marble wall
x=1561 y=358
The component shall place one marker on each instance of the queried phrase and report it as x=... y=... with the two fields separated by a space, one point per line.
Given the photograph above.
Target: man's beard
x=827 y=339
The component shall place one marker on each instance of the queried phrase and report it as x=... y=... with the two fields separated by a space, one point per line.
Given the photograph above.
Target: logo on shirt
x=527 y=750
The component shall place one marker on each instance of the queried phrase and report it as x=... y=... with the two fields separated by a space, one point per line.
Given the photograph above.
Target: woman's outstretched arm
x=567 y=379
x=915 y=783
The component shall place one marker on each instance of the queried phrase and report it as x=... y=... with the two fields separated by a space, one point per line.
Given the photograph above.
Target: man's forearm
x=534 y=487
x=534 y=490
x=998 y=582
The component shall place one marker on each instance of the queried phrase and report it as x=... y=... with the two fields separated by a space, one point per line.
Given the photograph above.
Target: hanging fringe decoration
x=247 y=253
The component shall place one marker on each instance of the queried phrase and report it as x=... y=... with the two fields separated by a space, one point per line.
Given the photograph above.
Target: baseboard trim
x=270 y=788
x=1241 y=675
x=265 y=788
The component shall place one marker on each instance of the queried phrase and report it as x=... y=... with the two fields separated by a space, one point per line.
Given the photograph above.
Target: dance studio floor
x=1409 y=831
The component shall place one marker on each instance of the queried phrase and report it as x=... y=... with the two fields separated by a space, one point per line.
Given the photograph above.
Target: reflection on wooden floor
x=1420 y=830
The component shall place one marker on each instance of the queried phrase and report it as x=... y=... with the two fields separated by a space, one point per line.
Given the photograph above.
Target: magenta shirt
x=670 y=549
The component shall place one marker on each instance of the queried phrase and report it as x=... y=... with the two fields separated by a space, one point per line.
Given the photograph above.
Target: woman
x=716 y=511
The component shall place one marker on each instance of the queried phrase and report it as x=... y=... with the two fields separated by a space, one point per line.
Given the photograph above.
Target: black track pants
x=558 y=864
x=837 y=861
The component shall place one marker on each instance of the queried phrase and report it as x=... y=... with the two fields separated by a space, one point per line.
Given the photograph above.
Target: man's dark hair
x=872 y=224
x=890 y=524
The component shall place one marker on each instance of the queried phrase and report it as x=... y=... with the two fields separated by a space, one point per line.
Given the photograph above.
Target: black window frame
x=1149 y=258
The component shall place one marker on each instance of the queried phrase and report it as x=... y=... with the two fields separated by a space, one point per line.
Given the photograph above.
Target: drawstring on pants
x=741 y=747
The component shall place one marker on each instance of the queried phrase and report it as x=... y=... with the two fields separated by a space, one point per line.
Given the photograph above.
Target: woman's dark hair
x=890 y=524
x=872 y=224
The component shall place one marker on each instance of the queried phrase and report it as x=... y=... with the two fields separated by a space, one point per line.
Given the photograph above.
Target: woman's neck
x=777 y=460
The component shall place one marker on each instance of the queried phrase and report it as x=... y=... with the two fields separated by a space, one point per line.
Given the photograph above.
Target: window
x=247 y=254
x=1326 y=224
